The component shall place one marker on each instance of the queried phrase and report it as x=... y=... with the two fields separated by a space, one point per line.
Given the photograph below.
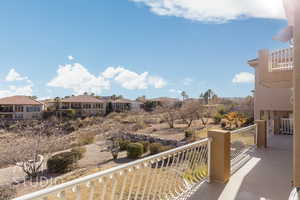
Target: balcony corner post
x=261 y=133
x=220 y=156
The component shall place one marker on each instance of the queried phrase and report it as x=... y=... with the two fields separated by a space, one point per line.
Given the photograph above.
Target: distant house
x=84 y=105
x=20 y=107
x=164 y=101
x=123 y=105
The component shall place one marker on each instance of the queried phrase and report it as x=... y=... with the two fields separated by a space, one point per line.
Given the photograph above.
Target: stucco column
x=220 y=155
x=261 y=137
x=296 y=84
x=260 y=72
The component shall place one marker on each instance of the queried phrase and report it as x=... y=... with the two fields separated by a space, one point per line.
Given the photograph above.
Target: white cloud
x=243 y=77
x=216 y=10
x=13 y=75
x=157 y=82
x=70 y=57
x=77 y=78
x=131 y=80
x=16 y=90
x=187 y=81
x=11 y=90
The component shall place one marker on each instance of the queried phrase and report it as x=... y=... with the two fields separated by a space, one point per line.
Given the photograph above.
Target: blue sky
x=133 y=48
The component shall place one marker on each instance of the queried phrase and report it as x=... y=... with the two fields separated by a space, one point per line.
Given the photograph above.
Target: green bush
x=7 y=192
x=79 y=152
x=85 y=138
x=146 y=146
x=189 y=133
x=123 y=144
x=218 y=118
x=62 y=162
x=135 y=150
x=156 y=148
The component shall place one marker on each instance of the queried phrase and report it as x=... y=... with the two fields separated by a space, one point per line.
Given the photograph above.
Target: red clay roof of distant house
x=122 y=101
x=82 y=99
x=19 y=100
x=163 y=99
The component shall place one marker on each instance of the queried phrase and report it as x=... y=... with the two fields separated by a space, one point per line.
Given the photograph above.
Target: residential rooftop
x=19 y=100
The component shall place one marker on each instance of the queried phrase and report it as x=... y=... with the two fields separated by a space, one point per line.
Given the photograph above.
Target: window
x=19 y=109
x=19 y=116
x=35 y=116
x=33 y=109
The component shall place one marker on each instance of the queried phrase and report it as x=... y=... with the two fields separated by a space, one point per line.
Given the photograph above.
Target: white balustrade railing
x=163 y=176
x=242 y=141
x=281 y=60
x=286 y=126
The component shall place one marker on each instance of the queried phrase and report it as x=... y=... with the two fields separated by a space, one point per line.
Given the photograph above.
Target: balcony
x=281 y=60
x=275 y=68
x=189 y=172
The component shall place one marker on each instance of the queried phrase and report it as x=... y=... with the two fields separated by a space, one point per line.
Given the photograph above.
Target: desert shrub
x=249 y=121
x=123 y=144
x=7 y=192
x=189 y=133
x=135 y=150
x=62 y=162
x=218 y=118
x=85 y=138
x=223 y=124
x=70 y=113
x=146 y=146
x=79 y=152
x=155 y=148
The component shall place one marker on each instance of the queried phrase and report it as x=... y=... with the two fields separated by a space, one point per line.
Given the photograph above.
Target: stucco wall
x=271 y=99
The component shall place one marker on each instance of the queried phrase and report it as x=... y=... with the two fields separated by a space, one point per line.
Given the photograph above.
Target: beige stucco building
x=20 y=107
x=273 y=89
x=83 y=105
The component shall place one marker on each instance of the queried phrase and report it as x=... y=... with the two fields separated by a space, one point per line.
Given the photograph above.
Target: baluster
x=132 y=182
x=182 y=169
x=194 y=159
x=200 y=161
x=114 y=185
x=155 y=191
x=91 y=185
x=172 y=168
x=62 y=195
x=166 y=178
x=179 y=161
x=139 y=184
x=187 y=167
x=104 y=187
x=147 y=178
x=152 y=180
x=76 y=190
x=123 y=184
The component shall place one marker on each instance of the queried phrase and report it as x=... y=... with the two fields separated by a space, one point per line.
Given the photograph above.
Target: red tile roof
x=19 y=100
x=82 y=99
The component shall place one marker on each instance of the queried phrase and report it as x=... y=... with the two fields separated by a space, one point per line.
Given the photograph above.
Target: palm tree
x=208 y=95
x=184 y=95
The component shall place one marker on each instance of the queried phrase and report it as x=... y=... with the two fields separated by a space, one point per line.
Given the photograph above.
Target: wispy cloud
x=218 y=11
x=70 y=57
x=77 y=78
x=132 y=80
x=23 y=87
x=243 y=77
